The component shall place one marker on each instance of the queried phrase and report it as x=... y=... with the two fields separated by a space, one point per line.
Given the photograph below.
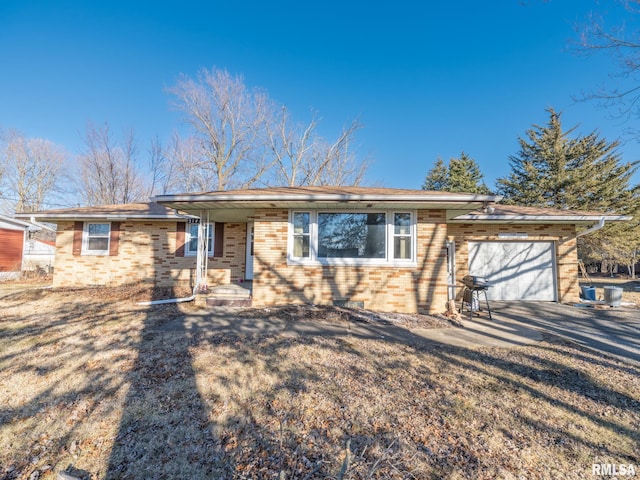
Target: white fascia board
x=15 y=221
x=96 y=216
x=330 y=197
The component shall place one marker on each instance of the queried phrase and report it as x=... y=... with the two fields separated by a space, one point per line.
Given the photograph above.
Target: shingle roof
x=280 y=196
x=150 y=210
x=499 y=212
x=288 y=192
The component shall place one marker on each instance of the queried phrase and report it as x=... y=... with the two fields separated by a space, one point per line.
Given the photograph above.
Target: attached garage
x=517 y=270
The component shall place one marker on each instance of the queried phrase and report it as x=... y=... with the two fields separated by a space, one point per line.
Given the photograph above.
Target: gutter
x=106 y=216
x=538 y=218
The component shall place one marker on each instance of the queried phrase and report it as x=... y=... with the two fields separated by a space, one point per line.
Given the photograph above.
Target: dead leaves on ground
x=142 y=402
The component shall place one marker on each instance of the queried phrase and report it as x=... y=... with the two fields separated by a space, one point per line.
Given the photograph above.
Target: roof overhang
x=52 y=217
x=29 y=225
x=119 y=212
x=244 y=201
x=520 y=219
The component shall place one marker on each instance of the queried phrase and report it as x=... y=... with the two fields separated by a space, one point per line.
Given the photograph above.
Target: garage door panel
x=517 y=270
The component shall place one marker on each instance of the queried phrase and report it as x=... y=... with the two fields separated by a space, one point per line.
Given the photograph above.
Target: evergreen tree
x=437 y=178
x=554 y=169
x=460 y=175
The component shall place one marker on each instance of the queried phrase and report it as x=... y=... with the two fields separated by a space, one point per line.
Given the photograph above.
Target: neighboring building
x=387 y=249
x=22 y=249
x=39 y=254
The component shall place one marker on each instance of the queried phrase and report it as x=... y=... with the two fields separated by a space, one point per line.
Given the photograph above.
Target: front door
x=248 y=269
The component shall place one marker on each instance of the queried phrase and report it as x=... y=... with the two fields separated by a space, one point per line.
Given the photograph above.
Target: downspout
x=168 y=300
x=594 y=228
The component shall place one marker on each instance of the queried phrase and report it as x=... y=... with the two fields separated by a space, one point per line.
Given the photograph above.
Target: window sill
x=352 y=262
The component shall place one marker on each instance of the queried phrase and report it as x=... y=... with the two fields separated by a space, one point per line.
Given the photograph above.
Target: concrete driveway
x=614 y=331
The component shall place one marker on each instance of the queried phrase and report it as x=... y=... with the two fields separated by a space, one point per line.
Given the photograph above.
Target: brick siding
x=383 y=288
x=146 y=253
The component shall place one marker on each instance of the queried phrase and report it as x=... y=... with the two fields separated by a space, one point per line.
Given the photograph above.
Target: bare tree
x=160 y=168
x=33 y=170
x=291 y=147
x=108 y=168
x=239 y=139
x=188 y=173
x=302 y=157
x=336 y=163
x=227 y=122
x=621 y=41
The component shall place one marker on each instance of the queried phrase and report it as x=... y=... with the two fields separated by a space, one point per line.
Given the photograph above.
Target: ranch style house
x=383 y=249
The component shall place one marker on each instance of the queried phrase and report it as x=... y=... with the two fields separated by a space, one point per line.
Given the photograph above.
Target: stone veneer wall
x=146 y=253
x=564 y=237
x=383 y=288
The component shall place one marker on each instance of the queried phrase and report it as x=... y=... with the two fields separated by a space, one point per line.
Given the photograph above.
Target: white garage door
x=517 y=270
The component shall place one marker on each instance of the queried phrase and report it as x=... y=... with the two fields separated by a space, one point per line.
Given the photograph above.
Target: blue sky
x=427 y=79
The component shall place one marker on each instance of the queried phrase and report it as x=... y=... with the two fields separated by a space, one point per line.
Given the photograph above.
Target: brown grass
x=94 y=384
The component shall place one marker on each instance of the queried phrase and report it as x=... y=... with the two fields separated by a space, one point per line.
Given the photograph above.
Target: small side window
x=96 y=238
x=402 y=237
x=191 y=241
x=301 y=234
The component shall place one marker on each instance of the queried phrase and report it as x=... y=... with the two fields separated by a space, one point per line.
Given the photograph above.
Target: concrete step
x=230 y=291
x=232 y=295
x=220 y=301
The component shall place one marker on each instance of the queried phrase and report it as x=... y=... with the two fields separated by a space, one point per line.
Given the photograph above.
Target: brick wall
x=562 y=235
x=383 y=288
x=146 y=252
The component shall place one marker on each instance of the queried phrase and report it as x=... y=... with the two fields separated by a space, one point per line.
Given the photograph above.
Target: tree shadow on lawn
x=210 y=397
x=57 y=372
x=164 y=430
x=190 y=371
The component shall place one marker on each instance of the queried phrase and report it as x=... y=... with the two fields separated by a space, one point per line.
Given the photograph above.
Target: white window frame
x=388 y=260
x=187 y=237
x=293 y=234
x=394 y=235
x=86 y=236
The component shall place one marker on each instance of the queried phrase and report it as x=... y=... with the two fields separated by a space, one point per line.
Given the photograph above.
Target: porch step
x=231 y=290
x=232 y=295
x=228 y=302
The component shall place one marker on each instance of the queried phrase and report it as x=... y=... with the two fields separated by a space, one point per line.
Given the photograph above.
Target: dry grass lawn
x=95 y=385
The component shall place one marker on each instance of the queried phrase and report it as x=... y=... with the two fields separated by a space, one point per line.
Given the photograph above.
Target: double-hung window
x=301 y=234
x=402 y=236
x=352 y=237
x=96 y=238
x=191 y=240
